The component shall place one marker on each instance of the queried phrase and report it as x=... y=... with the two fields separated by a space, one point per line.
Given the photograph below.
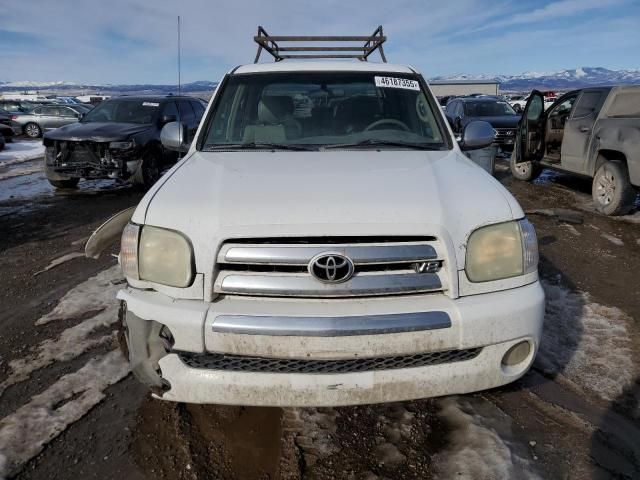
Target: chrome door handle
x=584 y=129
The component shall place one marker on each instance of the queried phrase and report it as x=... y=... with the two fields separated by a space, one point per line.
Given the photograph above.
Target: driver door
x=530 y=136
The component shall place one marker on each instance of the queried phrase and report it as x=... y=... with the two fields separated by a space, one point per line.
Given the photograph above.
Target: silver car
x=46 y=117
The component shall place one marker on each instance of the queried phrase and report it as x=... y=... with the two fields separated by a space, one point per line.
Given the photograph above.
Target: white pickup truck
x=325 y=241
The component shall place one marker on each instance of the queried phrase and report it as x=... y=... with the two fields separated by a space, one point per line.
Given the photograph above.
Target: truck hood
x=212 y=197
x=500 y=121
x=96 y=131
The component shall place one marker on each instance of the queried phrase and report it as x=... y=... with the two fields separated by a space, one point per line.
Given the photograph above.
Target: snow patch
x=59 y=261
x=24 y=433
x=72 y=343
x=613 y=239
x=97 y=293
x=587 y=342
x=20 y=151
x=480 y=444
x=21 y=171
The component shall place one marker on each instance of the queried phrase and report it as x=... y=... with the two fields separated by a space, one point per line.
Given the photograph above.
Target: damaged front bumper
x=92 y=160
x=186 y=348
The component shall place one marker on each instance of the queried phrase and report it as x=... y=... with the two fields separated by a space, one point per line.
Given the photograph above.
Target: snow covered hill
x=561 y=80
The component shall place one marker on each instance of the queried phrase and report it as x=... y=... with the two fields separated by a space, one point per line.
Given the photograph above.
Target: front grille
x=381 y=266
x=504 y=134
x=237 y=363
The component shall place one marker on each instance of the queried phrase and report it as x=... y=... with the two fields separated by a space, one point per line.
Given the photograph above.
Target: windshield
x=312 y=110
x=124 y=111
x=488 y=109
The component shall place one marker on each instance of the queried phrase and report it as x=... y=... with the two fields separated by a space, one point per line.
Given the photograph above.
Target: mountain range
x=580 y=77
x=560 y=80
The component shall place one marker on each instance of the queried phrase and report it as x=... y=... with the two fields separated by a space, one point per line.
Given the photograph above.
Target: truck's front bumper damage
x=211 y=355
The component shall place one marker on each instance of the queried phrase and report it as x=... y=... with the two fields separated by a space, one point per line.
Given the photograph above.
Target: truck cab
x=590 y=132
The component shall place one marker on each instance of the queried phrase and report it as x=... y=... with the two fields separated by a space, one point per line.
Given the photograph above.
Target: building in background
x=444 y=88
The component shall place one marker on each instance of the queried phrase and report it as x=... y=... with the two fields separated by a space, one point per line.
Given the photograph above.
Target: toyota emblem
x=331 y=268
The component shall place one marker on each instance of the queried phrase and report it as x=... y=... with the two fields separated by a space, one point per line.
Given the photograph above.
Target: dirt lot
x=69 y=408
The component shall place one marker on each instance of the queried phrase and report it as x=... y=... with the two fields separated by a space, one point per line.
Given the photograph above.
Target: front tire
x=525 y=171
x=612 y=191
x=148 y=171
x=32 y=130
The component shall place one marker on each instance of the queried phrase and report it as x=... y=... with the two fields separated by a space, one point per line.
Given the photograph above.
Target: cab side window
x=587 y=104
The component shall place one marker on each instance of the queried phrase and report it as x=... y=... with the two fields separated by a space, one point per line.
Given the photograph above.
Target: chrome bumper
x=330 y=326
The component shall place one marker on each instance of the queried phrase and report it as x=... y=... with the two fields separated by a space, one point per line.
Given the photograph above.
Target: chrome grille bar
x=302 y=255
x=303 y=285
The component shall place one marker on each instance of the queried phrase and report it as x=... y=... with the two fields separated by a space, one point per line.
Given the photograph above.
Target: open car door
x=529 y=139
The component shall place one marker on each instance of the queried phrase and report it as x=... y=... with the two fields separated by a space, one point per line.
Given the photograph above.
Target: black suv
x=119 y=139
x=497 y=112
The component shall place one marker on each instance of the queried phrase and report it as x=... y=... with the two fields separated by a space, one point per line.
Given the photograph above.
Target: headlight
x=501 y=251
x=122 y=145
x=156 y=255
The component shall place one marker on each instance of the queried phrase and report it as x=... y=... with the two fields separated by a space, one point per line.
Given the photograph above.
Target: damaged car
x=594 y=133
x=119 y=139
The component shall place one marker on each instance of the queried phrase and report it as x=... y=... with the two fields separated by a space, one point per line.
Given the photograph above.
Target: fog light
x=516 y=354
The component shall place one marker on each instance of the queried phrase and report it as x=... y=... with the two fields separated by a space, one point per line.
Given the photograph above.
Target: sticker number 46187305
x=394 y=82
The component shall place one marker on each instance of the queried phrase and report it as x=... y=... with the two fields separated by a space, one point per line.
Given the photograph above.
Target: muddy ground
x=69 y=409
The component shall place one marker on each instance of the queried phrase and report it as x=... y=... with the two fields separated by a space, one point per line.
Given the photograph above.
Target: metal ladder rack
x=271 y=43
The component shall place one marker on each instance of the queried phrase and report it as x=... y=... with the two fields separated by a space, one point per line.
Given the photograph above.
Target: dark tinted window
x=170 y=109
x=198 y=108
x=11 y=107
x=186 y=112
x=488 y=109
x=51 y=111
x=67 y=112
x=124 y=111
x=587 y=104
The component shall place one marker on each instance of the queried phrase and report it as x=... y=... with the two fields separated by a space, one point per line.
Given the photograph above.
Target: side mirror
x=167 y=119
x=476 y=135
x=174 y=137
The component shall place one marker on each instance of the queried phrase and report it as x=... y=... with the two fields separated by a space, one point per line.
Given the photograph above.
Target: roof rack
x=271 y=43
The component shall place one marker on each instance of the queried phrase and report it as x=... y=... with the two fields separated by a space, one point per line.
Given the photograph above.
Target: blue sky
x=134 y=41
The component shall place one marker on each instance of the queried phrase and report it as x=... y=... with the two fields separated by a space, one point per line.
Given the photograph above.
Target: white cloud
x=134 y=41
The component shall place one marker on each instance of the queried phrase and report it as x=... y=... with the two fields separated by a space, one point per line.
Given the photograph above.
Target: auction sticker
x=394 y=82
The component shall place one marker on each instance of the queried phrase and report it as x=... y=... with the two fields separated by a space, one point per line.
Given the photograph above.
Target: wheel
x=525 y=171
x=58 y=180
x=148 y=172
x=612 y=191
x=32 y=130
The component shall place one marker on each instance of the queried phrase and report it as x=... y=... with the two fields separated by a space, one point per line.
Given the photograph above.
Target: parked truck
x=346 y=252
x=593 y=132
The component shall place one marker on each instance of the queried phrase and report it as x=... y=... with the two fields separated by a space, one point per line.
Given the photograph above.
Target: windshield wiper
x=382 y=143
x=257 y=146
